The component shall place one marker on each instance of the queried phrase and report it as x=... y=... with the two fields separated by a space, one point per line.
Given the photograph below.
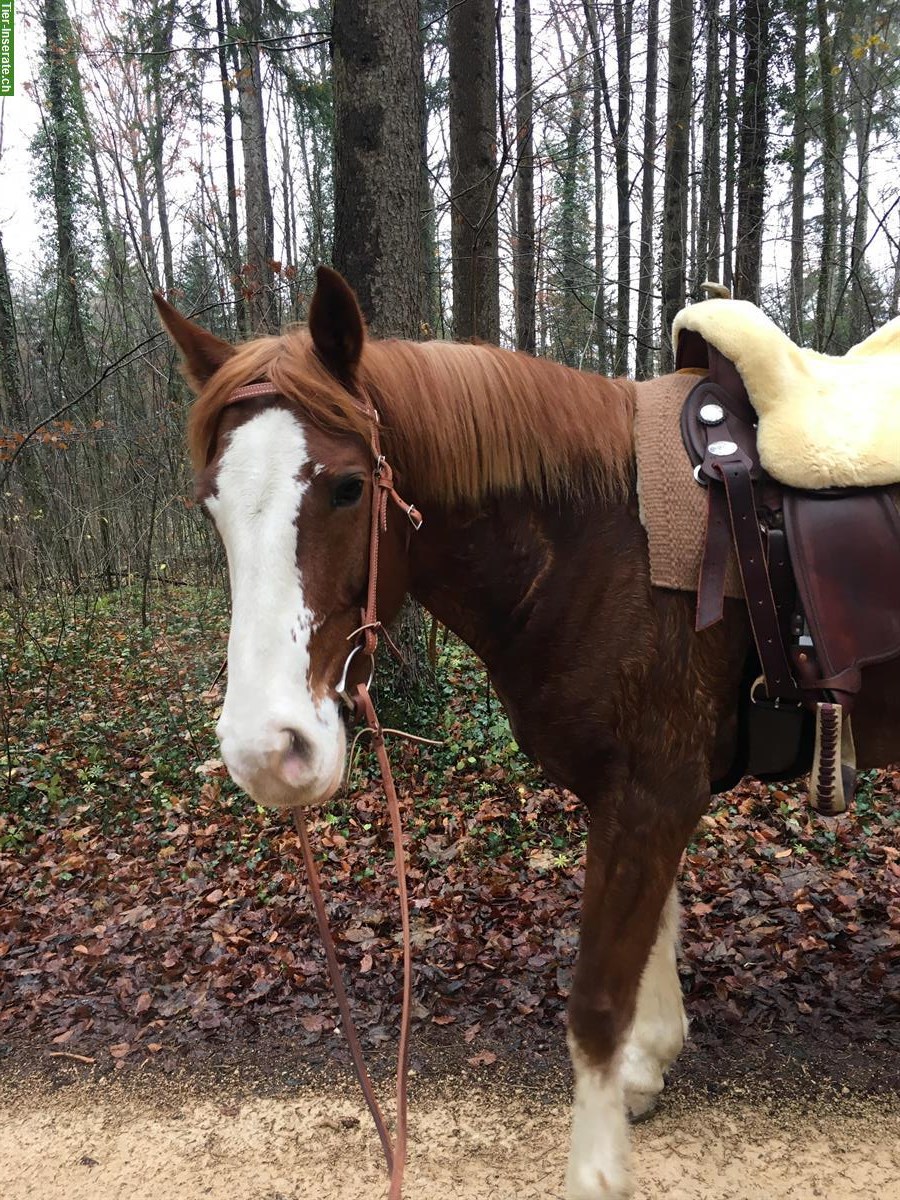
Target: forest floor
x=161 y=983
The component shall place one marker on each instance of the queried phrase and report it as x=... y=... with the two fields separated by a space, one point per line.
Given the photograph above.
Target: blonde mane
x=459 y=421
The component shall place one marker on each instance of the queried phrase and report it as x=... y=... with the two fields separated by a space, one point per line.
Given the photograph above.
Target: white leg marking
x=599 y=1149
x=660 y=1026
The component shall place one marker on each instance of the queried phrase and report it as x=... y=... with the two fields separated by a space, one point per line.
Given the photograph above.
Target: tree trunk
x=287 y=207
x=379 y=114
x=569 y=348
x=754 y=147
x=798 y=173
x=473 y=169
x=623 y=11
x=708 y=238
x=432 y=308
x=646 y=324
x=598 y=132
x=233 y=236
x=164 y=23
x=861 y=317
x=830 y=185
x=73 y=363
x=731 y=111
x=258 y=276
x=12 y=402
x=524 y=258
x=676 y=196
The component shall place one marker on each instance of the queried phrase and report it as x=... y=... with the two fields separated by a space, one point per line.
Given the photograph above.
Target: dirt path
x=108 y=1141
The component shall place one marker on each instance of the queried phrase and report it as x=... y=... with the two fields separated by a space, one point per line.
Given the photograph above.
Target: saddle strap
x=714 y=564
x=752 y=564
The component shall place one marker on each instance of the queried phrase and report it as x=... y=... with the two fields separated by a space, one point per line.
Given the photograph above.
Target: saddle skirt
x=824 y=421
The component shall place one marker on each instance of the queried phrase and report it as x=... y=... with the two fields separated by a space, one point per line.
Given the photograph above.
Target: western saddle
x=812 y=522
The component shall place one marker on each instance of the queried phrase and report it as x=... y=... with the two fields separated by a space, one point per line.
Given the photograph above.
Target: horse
x=532 y=551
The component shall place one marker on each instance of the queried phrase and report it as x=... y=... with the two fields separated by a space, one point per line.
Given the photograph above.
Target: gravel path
x=141 y=1140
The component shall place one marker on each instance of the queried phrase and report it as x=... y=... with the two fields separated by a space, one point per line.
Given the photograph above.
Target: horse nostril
x=297 y=744
x=295 y=760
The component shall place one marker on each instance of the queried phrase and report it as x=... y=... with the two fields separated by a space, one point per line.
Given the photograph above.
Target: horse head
x=285 y=472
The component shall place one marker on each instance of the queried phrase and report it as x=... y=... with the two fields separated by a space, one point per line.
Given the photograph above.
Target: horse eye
x=347 y=492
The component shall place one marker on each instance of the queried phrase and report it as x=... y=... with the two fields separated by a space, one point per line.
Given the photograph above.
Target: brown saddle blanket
x=672 y=504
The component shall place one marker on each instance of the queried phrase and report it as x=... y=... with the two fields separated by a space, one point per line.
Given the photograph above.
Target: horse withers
x=533 y=552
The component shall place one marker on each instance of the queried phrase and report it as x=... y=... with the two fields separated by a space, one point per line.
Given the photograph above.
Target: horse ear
x=336 y=323
x=202 y=351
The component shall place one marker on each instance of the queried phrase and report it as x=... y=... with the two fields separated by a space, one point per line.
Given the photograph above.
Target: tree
x=258 y=275
x=232 y=239
x=731 y=122
x=473 y=169
x=753 y=149
x=60 y=143
x=12 y=404
x=709 y=241
x=619 y=123
x=798 y=172
x=830 y=182
x=675 y=196
x=379 y=115
x=646 y=326
x=524 y=252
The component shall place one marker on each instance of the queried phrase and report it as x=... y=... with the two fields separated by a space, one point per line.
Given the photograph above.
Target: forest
x=556 y=175
x=559 y=177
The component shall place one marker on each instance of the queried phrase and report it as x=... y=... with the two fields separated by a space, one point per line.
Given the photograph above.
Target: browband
x=252 y=391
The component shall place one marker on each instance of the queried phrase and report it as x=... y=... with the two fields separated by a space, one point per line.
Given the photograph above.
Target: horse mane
x=459 y=421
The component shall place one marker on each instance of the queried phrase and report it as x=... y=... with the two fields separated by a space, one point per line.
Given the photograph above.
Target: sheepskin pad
x=824 y=421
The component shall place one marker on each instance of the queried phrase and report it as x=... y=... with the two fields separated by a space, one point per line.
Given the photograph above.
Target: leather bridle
x=359 y=702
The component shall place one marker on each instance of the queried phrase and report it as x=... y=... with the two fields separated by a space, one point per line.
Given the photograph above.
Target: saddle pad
x=824 y=421
x=672 y=504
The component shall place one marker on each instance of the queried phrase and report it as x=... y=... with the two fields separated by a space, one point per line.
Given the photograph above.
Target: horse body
x=532 y=551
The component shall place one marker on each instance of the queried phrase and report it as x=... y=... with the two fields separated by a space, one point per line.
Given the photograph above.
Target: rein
x=359 y=702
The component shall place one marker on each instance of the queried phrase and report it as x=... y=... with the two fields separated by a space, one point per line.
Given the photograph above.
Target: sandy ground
x=98 y=1140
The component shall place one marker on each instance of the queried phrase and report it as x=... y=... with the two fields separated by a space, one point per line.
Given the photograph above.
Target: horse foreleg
x=660 y=1025
x=633 y=852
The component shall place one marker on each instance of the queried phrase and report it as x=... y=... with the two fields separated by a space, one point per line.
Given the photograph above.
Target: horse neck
x=564 y=458
x=461 y=423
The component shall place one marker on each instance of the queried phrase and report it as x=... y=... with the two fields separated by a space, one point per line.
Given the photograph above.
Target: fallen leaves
x=484 y=1058
x=146 y=906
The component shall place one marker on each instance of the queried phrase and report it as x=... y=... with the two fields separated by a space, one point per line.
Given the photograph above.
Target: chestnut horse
x=531 y=551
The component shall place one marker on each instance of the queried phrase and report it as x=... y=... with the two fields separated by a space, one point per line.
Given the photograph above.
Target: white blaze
x=258 y=495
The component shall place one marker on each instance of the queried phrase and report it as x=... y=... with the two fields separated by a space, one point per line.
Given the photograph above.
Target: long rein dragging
x=360 y=704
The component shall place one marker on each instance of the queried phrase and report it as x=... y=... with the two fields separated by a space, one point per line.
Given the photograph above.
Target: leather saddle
x=820 y=571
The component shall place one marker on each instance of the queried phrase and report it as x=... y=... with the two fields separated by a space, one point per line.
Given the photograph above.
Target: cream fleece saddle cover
x=824 y=421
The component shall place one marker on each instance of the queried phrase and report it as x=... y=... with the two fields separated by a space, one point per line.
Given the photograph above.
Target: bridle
x=359 y=703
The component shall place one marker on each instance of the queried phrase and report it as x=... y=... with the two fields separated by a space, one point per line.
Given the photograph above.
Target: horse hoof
x=641 y=1106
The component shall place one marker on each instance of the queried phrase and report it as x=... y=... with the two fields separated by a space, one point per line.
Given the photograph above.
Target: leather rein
x=359 y=702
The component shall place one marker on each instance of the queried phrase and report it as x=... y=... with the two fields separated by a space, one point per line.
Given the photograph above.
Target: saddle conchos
x=798 y=452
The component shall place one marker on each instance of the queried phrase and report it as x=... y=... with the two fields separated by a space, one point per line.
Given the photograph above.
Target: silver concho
x=711 y=414
x=722 y=449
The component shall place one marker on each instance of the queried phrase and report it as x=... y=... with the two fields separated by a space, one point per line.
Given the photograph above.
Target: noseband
x=360 y=705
